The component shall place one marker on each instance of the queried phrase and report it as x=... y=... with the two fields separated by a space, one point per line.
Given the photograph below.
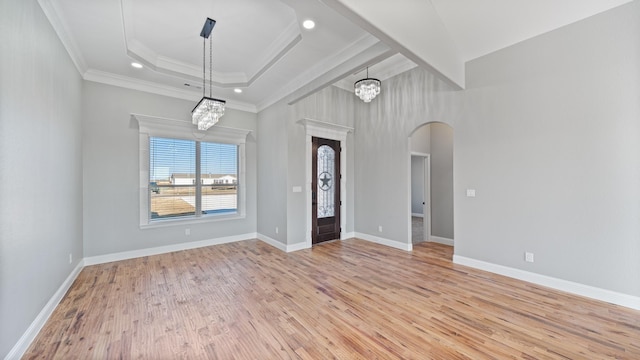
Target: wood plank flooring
x=340 y=300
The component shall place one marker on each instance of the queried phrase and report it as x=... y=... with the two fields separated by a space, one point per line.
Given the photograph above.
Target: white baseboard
x=417 y=215
x=101 y=259
x=349 y=235
x=283 y=247
x=592 y=292
x=298 y=246
x=383 y=241
x=273 y=242
x=32 y=331
x=441 y=240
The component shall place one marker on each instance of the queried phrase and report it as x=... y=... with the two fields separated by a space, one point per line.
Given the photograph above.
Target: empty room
x=320 y=179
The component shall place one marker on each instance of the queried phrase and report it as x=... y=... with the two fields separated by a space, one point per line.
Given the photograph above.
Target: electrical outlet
x=379 y=228
x=187 y=232
x=70 y=258
x=528 y=257
x=277 y=229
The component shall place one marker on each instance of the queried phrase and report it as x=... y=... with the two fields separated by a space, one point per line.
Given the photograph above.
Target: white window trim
x=178 y=129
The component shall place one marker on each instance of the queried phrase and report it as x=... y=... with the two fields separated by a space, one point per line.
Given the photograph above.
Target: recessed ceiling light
x=308 y=24
x=237 y=91
x=136 y=65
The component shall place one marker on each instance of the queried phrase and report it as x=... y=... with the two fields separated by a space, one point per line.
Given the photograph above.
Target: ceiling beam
x=367 y=57
x=412 y=28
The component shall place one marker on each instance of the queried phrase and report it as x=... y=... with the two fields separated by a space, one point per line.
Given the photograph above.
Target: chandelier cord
x=210 y=65
x=208 y=110
x=204 y=69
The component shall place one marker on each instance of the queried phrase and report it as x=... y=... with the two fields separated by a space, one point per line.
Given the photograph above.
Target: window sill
x=189 y=221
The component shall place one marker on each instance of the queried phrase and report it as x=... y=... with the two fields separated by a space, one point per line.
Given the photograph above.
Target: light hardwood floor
x=343 y=299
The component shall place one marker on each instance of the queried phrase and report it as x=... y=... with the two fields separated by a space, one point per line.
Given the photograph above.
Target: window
x=187 y=175
x=191 y=178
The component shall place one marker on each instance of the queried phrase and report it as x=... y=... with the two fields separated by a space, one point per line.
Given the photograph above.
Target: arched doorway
x=431 y=174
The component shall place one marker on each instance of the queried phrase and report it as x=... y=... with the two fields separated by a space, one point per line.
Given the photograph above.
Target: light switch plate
x=471 y=192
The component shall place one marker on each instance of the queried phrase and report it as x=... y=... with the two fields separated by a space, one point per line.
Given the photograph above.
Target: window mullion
x=198 y=182
x=186 y=179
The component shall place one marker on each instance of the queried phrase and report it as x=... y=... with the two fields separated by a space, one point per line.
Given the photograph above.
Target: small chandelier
x=209 y=110
x=367 y=89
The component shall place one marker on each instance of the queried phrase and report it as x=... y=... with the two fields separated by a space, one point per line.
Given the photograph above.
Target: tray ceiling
x=260 y=46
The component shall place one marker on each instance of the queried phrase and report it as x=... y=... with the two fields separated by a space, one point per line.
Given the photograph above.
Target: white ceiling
x=480 y=27
x=261 y=47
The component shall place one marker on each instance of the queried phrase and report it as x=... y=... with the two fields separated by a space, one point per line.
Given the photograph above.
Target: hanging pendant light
x=209 y=110
x=367 y=89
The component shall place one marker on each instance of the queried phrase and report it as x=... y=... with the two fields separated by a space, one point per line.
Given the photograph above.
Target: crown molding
x=393 y=66
x=358 y=47
x=155 y=88
x=53 y=14
x=172 y=67
x=436 y=52
x=371 y=55
x=290 y=38
x=276 y=51
x=136 y=49
x=323 y=128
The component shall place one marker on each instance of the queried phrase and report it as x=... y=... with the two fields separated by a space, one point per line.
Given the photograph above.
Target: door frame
x=426 y=208
x=321 y=129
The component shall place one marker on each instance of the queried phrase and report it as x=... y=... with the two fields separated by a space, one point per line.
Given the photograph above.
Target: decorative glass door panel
x=326 y=176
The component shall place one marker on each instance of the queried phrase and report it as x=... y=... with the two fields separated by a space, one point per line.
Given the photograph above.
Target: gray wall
x=417 y=185
x=273 y=172
x=550 y=139
x=40 y=167
x=332 y=105
x=421 y=139
x=441 y=180
x=547 y=133
x=282 y=150
x=382 y=131
x=111 y=172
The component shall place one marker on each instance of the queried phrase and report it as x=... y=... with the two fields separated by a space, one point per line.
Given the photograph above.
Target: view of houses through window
x=177 y=189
